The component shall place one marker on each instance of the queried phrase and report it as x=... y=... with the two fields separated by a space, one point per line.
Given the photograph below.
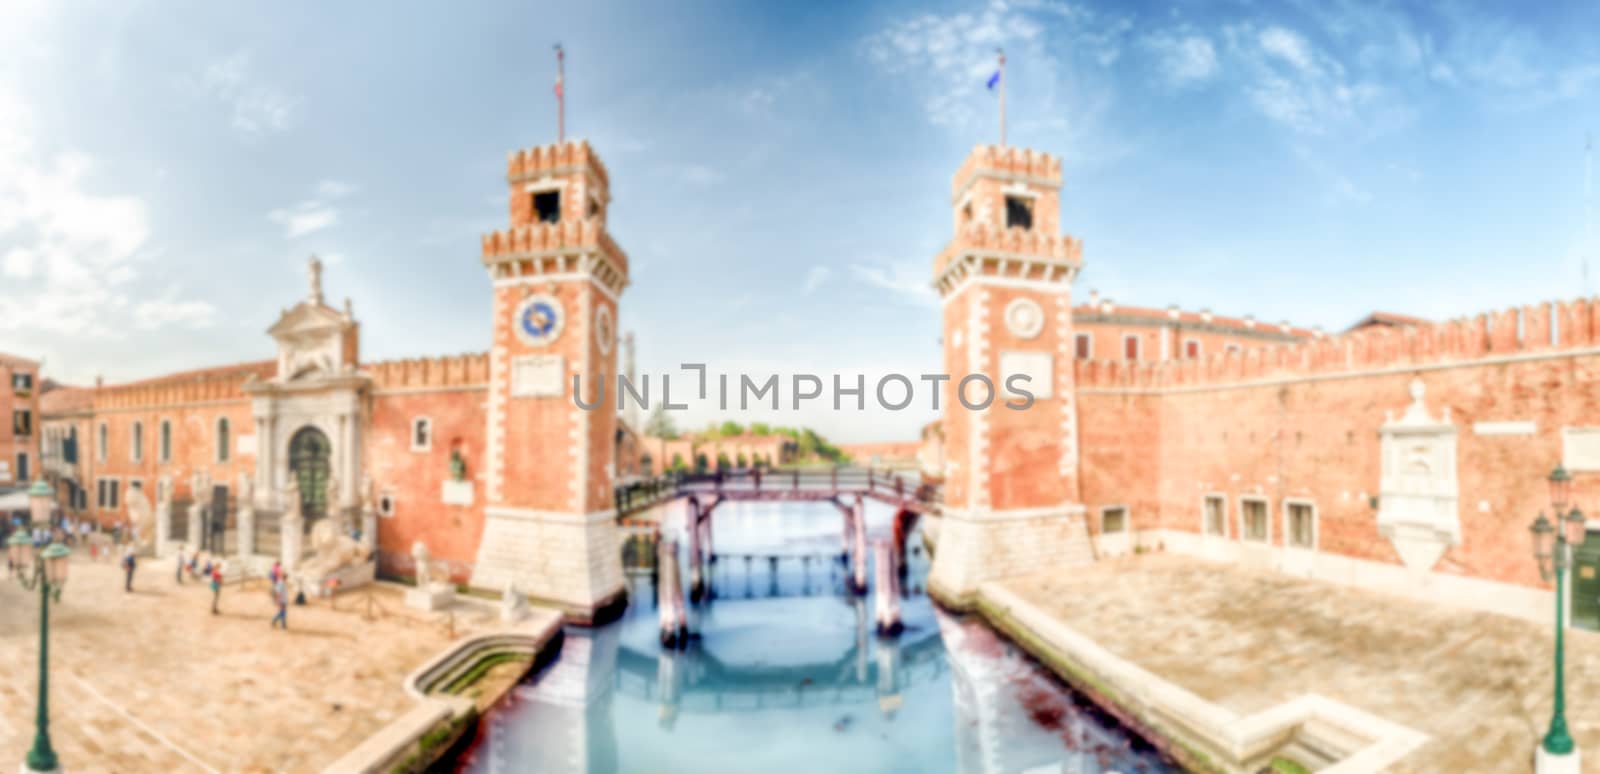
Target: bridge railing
x=891 y=485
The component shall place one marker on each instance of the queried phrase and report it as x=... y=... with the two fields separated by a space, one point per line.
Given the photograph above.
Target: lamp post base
x=57 y=770
x=1549 y=763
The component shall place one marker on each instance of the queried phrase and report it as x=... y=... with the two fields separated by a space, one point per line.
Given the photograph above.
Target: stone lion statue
x=332 y=551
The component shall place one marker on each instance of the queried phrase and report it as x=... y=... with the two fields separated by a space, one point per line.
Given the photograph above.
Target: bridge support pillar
x=697 y=580
x=858 y=553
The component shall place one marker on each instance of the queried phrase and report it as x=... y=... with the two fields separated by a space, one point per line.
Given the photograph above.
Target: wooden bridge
x=904 y=491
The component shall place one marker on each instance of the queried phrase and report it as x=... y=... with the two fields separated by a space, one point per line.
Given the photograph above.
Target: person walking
x=280 y=595
x=216 y=587
x=277 y=571
x=128 y=565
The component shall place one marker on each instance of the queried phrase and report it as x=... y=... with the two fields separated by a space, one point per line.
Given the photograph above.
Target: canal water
x=785 y=673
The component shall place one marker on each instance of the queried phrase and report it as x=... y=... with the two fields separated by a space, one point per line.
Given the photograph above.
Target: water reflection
x=784 y=672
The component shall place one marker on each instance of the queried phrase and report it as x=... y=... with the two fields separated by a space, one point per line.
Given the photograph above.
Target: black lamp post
x=46 y=571
x=1552 y=541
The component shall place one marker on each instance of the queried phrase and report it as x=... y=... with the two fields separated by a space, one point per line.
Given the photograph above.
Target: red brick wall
x=416 y=479
x=1302 y=421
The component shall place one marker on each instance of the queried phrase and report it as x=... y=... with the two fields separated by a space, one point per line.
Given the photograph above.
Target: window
x=1301 y=528
x=1085 y=345
x=1215 y=515
x=69 y=447
x=547 y=207
x=136 y=444
x=22 y=423
x=1191 y=348
x=1253 y=516
x=135 y=485
x=22 y=384
x=100 y=444
x=222 y=439
x=386 y=504
x=1113 y=520
x=106 y=494
x=22 y=466
x=1130 y=346
x=421 y=434
x=1019 y=212
x=966 y=213
x=1232 y=348
x=166 y=441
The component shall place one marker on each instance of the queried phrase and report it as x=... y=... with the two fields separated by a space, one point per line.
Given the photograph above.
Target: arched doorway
x=308 y=463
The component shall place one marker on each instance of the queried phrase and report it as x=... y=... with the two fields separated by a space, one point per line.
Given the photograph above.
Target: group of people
x=212 y=573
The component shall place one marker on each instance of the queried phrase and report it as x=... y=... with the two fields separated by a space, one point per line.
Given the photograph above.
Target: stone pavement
x=1478 y=684
x=151 y=681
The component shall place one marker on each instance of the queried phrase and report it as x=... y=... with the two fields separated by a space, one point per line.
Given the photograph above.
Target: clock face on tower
x=539 y=319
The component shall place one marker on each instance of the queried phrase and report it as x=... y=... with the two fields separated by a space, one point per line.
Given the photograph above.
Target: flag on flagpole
x=994 y=80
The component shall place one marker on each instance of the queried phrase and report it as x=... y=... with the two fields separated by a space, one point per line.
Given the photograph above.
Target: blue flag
x=993 y=80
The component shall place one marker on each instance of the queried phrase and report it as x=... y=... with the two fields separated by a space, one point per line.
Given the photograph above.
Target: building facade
x=1401 y=454
x=19 y=421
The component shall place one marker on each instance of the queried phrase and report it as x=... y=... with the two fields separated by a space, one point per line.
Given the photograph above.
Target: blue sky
x=780 y=170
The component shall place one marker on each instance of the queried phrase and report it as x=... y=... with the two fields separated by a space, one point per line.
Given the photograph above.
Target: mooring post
x=858 y=559
x=669 y=598
x=886 y=599
x=697 y=586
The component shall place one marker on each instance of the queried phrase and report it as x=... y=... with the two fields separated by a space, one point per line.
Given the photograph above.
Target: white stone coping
x=379 y=752
x=1243 y=743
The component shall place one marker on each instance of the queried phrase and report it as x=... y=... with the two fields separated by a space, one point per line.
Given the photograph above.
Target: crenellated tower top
x=558 y=198
x=1006 y=208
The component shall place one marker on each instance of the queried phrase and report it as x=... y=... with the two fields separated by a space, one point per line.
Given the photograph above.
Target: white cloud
x=167 y=311
x=1289 y=47
x=258 y=108
x=1184 y=59
x=906 y=279
x=815 y=278
x=313 y=214
x=18 y=262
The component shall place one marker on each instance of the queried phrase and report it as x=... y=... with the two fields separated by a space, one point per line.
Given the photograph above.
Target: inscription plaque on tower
x=536 y=376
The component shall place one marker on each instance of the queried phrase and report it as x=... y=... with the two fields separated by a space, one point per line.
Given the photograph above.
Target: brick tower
x=550 y=525
x=1005 y=279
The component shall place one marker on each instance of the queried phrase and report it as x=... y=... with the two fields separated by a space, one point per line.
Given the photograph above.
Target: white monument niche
x=1418 y=495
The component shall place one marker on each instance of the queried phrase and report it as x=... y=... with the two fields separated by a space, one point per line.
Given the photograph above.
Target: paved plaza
x=1477 y=683
x=151 y=681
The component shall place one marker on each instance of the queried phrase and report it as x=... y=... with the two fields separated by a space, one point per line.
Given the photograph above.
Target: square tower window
x=1019 y=212
x=547 y=207
x=1085 y=346
x=1130 y=346
x=421 y=434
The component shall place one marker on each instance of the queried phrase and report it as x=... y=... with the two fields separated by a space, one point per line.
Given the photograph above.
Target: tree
x=677 y=462
x=760 y=428
x=723 y=462
x=701 y=463
x=742 y=461
x=660 y=425
x=730 y=429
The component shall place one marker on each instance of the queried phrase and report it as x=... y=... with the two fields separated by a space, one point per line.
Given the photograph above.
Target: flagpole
x=1002 y=97
x=561 y=96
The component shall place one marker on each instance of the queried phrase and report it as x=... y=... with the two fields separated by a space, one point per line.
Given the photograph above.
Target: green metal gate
x=1586 y=583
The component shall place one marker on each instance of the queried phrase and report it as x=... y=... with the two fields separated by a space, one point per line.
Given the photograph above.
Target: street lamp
x=1552 y=541
x=46 y=571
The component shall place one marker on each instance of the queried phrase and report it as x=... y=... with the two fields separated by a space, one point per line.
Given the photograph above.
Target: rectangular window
x=101 y=444
x=1253 y=513
x=22 y=466
x=22 y=384
x=1191 y=348
x=421 y=434
x=166 y=441
x=107 y=494
x=1302 y=528
x=1019 y=212
x=1113 y=520
x=1216 y=515
x=547 y=207
x=1130 y=346
x=1085 y=344
x=22 y=423
x=136 y=445
x=222 y=439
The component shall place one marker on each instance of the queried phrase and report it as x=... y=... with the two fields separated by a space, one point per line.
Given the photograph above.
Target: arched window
x=136 y=443
x=101 y=445
x=166 y=441
x=222 y=439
